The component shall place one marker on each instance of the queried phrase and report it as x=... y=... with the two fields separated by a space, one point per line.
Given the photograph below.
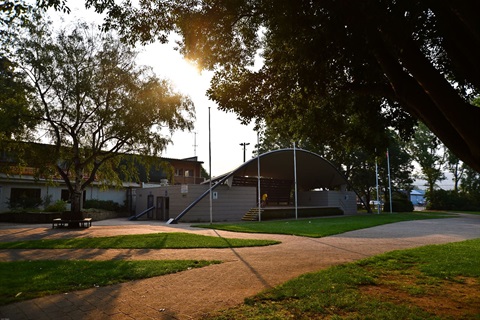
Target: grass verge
x=469 y=212
x=432 y=282
x=176 y=240
x=22 y=280
x=322 y=227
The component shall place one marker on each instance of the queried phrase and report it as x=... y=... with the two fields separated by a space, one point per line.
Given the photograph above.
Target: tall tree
x=427 y=151
x=470 y=182
x=95 y=103
x=455 y=167
x=419 y=57
x=15 y=117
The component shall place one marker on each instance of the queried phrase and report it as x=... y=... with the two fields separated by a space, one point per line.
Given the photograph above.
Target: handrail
x=141 y=214
x=203 y=195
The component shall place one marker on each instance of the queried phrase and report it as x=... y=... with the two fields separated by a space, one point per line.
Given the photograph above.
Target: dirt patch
x=457 y=299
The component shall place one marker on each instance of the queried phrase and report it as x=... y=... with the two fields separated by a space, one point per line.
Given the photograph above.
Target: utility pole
x=244 y=145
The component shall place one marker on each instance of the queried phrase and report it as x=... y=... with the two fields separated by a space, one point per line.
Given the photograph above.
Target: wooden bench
x=60 y=223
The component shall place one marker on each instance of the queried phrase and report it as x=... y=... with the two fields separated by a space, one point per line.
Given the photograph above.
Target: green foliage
x=338 y=70
x=24 y=203
x=108 y=205
x=355 y=162
x=47 y=200
x=15 y=114
x=451 y=200
x=400 y=203
x=470 y=182
x=19 y=9
x=58 y=206
x=322 y=227
x=145 y=241
x=120 y=107
x=425 y=149
x=22 y=280
x=204 y=174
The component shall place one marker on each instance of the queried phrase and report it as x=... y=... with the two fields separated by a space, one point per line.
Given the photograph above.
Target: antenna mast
x=195 y=144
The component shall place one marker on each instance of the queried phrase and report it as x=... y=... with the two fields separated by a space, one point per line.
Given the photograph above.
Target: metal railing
x=203 y=195
x=135 y=217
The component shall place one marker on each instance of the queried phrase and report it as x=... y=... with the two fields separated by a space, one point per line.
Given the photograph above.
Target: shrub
x=47 y=200
x=399 y=206
x=400 y=203
x=24 y=203
x=58 y=206
x=107 y=205
x=452 y=200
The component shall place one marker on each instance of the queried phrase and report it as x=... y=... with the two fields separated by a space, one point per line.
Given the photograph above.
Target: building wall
x=346 y=200
x=228 y=204
x=417 y=198
x=117 y=195
x=187 y=171
x=55 y=192
x=231 y=204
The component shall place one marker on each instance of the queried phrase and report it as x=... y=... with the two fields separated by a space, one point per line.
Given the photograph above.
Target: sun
x=170 y=64
x=187 y=78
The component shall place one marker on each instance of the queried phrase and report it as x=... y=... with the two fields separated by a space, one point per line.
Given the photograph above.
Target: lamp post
x=244 y=145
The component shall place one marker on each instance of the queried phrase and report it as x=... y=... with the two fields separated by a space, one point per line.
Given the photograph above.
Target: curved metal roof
x=313 y=171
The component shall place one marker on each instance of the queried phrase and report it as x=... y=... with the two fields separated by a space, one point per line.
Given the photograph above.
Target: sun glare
x=187 y=77
x=170 y=64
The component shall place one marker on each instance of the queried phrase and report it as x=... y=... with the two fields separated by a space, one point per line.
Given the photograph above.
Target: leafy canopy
x=93 y=103
x=321 y=58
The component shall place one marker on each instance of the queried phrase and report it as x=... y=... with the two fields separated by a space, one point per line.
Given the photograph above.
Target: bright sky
x=226 y=131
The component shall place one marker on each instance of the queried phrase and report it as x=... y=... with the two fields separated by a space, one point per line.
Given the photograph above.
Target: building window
x=65 y=195
x=25 y=198
x=179 y=172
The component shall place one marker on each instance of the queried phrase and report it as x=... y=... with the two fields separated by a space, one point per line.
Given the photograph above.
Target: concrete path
x=193 y=294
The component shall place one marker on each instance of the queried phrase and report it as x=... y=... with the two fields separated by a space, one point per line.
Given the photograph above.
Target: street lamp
x=244 y=145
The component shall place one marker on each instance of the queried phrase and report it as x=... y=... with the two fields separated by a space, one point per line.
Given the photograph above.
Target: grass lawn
x=432 y=282
x=322 y=227
x=22 y=280
x=175 y=240
x=469 y=212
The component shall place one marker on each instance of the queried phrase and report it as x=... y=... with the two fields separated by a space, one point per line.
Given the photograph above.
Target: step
x=252 y=214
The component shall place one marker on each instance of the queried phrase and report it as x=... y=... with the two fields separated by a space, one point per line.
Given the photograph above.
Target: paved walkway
x=193 y=294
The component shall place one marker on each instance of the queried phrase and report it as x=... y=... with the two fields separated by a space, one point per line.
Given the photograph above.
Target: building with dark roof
x=23 y=182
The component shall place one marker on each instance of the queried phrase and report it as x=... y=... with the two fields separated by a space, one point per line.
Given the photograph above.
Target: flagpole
x=210 y=163
x=376 y=181
x=295 y=176
x=258 y=175
x=389 y=182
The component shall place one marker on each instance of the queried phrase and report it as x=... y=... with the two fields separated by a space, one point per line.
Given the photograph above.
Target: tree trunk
x=76 y=210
